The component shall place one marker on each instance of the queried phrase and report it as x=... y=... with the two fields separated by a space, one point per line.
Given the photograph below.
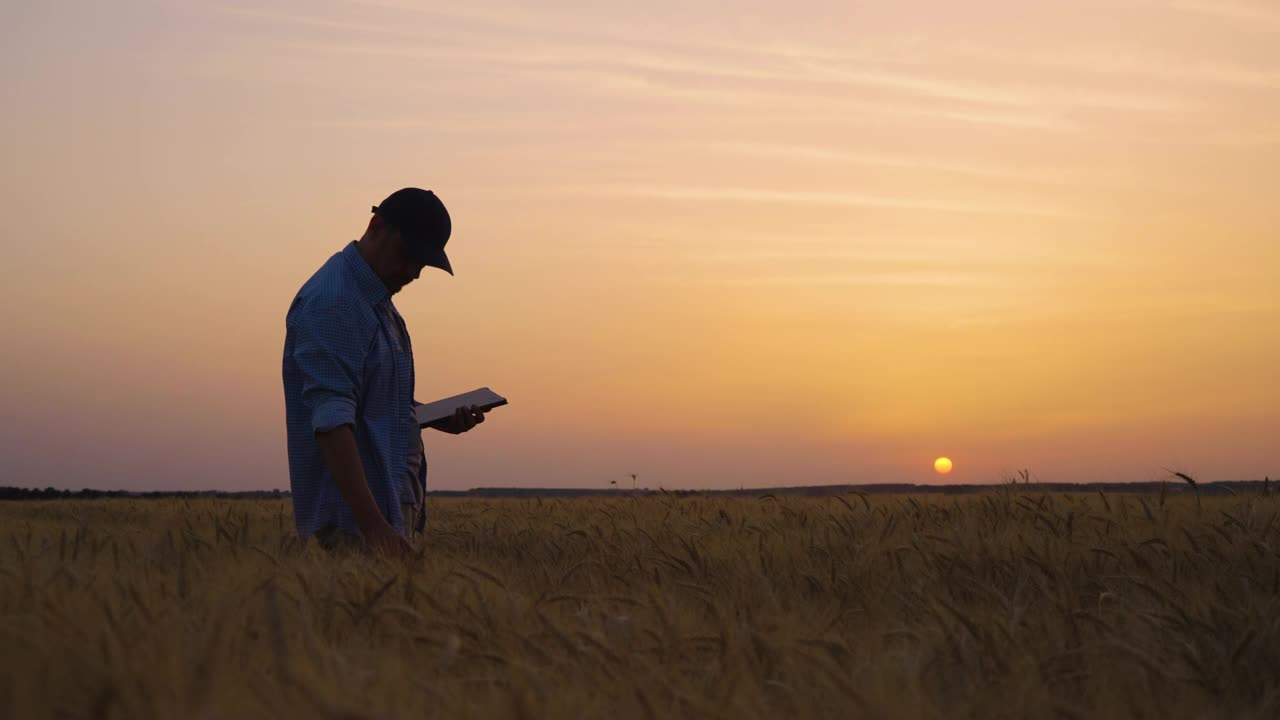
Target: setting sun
x=942 y=465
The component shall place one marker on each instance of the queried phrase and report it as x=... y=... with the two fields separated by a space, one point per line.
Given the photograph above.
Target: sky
x=713 y=244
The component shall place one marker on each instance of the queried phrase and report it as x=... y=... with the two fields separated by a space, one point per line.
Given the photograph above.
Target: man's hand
x=462 y=420
x=384 y=539
x=343 y=459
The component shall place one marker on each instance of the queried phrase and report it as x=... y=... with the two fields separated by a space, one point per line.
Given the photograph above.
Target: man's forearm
x=343 y=458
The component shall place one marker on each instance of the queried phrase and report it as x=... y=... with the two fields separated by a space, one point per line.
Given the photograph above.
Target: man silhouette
x=356 y=463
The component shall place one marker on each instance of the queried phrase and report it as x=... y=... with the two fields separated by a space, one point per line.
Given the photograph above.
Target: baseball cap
x=423 y=222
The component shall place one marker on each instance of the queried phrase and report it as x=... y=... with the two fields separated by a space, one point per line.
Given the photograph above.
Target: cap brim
x=436 y=258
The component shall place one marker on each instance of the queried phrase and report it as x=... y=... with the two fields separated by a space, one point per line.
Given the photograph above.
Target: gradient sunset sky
x=716 y=244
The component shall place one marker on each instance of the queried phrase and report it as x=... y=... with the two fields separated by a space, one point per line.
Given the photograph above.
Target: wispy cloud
x=1248 y=16
x=941 y=279
x=1130 y=61
x=573 y=67
x=901 y=253
x=1256 y=15
x=779 y=78
x=793 y=101
x=1258 y=139
x=453 y=122
x=328 y=23
x=1016 y=96
x=816 y=69
x=871 y=158
x=828 y=198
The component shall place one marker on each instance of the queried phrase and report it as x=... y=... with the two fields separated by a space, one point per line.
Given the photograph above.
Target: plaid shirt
x=348 y=361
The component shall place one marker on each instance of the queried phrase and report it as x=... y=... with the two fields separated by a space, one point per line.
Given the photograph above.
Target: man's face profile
x=406 y=269
x=385 y=249
x=402 y=268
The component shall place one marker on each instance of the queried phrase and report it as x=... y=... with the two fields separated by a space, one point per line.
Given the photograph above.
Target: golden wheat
x=1009 y=604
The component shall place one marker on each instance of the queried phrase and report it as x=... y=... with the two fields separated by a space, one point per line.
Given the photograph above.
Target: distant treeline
x=1172 y=487
x=49 y=493
x=1176 y=486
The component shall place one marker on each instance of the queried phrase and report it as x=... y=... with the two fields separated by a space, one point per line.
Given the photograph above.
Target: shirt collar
x=371 y=286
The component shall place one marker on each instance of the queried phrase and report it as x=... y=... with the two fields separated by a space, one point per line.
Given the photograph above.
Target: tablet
x=484 y=398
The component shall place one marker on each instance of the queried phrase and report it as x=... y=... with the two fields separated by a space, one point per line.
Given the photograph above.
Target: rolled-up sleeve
x=330 y=348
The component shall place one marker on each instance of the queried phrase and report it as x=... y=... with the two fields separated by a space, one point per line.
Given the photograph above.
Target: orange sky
x=715 y=244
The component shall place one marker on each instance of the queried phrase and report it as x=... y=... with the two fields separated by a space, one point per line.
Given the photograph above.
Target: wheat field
x=1008 y=604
